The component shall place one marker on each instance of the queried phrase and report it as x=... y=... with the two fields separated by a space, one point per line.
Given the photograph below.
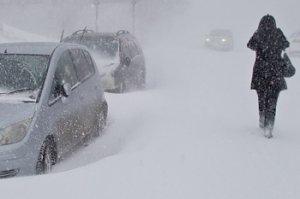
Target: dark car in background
x=50 y=102
x=119 y=57
x=294 y=40
x=219 y=39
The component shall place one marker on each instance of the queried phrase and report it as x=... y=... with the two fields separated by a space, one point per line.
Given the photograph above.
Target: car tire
x=102 y=118
x=47 y=157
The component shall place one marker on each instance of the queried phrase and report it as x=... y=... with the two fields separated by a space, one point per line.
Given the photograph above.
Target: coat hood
x=267 y=23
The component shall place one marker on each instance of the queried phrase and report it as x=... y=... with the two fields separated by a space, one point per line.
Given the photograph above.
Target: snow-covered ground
x=193 y=133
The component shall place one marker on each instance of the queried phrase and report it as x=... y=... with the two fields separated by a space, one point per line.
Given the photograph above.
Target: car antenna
x=84 y=30
x=62 y=35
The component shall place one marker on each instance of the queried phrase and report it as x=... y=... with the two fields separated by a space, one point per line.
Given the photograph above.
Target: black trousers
x=267 y=102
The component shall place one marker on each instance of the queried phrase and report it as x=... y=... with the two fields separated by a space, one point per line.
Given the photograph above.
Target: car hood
x=14 y=112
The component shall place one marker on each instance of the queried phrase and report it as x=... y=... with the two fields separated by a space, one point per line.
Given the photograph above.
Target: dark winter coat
x=268 y=42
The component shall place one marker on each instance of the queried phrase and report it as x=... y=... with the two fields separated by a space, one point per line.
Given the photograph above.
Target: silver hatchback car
x=51 y=100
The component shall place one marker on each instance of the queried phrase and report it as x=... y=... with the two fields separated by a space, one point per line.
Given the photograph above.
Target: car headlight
x=224 y=40
x=14 y=133
x=207 y=39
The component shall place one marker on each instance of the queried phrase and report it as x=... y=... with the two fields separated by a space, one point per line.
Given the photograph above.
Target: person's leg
x=270 y=113
x=261 y=108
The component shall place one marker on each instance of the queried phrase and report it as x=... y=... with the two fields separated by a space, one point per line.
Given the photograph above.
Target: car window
x=124 y=48
x=88 y=57
x=104 y=46
x=64 y=73
x=138 y=48
x=127 y=48
x=83 y=68
x=65 y=69
x=135 y=49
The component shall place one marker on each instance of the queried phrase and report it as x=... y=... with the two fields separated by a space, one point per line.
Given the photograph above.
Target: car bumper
x=16 y=161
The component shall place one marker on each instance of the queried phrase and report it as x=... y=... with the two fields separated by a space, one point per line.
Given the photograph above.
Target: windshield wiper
x=18 y=90
x=29 y=101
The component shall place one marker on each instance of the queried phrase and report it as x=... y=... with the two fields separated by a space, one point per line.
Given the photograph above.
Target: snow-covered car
x=119 y=58
x=50 y=102
x=294 y=40
x=219 y=39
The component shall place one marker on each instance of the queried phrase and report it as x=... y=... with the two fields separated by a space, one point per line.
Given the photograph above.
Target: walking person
x=267 y=79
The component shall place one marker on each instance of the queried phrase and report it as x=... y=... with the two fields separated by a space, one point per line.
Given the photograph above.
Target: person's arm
x=253 y=43
x=282 y=40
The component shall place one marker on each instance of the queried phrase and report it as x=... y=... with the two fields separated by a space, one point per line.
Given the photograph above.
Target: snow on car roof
x=79 y=35
x=41 y=48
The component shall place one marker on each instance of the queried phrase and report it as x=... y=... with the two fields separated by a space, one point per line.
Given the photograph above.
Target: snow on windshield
x=22 y=72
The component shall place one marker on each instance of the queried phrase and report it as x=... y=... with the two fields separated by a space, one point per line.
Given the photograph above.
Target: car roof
x=37 y=48
x=90 y=34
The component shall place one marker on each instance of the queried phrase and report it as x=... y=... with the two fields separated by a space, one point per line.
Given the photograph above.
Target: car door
x=64 y=110
x=88 y=91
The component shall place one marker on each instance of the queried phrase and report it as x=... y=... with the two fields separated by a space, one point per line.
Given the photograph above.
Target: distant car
x=219 y=39
x=50 y=102
x=119 y=57
x=294 y=48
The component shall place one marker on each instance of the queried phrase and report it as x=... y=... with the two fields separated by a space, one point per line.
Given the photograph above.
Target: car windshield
x=19 y=73
x=103 y=46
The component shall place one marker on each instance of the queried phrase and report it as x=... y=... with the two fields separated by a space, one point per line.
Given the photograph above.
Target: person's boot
x=268 y=130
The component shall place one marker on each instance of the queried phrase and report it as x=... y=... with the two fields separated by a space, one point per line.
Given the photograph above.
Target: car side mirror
x=66 y=90
x=127 y=61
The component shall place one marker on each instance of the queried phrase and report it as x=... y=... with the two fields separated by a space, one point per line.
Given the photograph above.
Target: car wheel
x=102 y=119
x=46 y=158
